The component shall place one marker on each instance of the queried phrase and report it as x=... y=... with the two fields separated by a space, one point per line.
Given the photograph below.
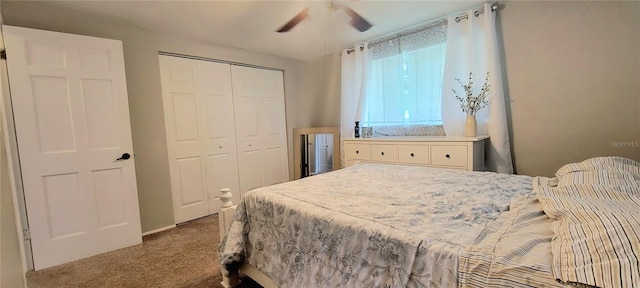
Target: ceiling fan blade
x=293 y=22
x=357 y=21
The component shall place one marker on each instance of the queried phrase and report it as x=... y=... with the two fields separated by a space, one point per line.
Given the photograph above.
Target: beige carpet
x=185 y=256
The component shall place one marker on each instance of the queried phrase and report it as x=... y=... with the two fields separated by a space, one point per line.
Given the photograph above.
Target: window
x=405 y=79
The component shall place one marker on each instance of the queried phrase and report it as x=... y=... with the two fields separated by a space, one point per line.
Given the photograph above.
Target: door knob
x=124 y=156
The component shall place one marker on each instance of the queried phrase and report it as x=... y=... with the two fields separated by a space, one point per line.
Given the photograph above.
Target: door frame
x=13 y=161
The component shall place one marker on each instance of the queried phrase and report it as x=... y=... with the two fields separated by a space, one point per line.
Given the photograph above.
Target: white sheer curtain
x=472 y=46
x=355 y=68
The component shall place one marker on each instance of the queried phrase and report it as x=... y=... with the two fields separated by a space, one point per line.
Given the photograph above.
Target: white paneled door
x=201 y=141
x=258 y=97
x=71 y=115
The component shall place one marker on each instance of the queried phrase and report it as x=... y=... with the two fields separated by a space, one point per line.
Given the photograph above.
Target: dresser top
x=421 y=138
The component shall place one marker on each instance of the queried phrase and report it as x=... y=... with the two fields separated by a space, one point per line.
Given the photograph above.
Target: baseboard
x=159 y=230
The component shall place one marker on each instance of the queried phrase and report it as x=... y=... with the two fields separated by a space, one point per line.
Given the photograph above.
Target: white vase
x=470 y=126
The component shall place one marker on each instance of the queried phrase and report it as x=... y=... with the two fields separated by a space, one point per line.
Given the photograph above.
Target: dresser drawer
x=452 y=152
x=384 y=152
x=449 y=155
x=413 y=154
x=359 y=151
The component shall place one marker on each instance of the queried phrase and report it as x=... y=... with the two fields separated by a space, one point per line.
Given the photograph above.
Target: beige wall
x=320 y=104
x=145 y=100
x=573 y=74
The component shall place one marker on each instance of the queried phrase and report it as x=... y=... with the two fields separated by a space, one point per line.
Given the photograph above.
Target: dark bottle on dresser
x=357 y=129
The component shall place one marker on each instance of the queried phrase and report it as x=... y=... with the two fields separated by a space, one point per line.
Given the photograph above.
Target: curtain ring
x=459 y=18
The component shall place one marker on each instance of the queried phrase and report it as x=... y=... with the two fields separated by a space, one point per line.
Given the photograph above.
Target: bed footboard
x=225 y=217
x=226 y=211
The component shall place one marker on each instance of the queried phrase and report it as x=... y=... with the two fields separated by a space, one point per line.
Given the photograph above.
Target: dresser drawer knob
x=411 y=154
x=357 y=151
x=448 y=156
x=382 y=153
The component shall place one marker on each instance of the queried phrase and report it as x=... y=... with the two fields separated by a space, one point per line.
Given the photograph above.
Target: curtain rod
x=476 y=13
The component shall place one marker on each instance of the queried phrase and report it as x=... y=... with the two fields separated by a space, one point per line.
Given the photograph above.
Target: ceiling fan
x=357 y=21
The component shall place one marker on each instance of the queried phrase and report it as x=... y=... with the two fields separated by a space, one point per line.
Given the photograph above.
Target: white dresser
x=465 y=153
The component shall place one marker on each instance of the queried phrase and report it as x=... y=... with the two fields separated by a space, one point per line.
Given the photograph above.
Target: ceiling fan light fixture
x=333 y=6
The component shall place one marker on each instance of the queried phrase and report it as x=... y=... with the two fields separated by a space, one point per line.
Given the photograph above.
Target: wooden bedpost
x=225 y=217
x=226 y=211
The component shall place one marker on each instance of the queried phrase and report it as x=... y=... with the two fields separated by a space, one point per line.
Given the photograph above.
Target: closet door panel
x=274 y=166
x=182 y=117
x=220 y=144
x=218 y=127
x=200 y=125
x=185 y=129
x=275 y=135
x=249 y=125
x=273 y=132
x=251 y=169
x=223 y=173
x=246 y=103
x=249 y=140
x=215 y=89
x=190 y=186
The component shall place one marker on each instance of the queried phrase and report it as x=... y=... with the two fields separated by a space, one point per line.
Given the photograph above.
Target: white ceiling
x=251 y=25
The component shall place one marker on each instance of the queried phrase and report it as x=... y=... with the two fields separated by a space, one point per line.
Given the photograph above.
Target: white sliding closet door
x=199 y=121
x=69 y=99
x=258 y=97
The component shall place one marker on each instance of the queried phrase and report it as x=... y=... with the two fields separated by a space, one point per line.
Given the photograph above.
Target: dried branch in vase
x=472 y=104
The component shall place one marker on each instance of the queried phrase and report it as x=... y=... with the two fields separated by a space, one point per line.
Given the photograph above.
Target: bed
x=377 y=225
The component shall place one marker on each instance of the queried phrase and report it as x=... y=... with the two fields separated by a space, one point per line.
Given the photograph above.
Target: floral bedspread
x=369 y=225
